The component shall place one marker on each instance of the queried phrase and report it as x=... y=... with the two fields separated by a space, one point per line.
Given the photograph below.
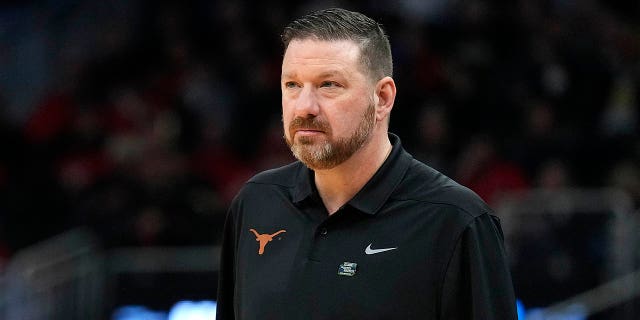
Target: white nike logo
x=368 y=250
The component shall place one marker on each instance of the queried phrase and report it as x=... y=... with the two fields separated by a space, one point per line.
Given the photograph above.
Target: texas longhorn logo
x=264 y=239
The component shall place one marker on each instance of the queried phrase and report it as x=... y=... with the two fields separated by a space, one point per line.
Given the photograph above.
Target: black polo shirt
x=412 y=244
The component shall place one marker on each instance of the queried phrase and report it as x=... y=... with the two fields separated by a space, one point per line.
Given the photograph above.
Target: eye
x=290 y=84
x=329 y=84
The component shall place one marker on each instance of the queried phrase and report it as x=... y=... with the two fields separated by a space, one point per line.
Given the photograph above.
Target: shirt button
x=324 y=231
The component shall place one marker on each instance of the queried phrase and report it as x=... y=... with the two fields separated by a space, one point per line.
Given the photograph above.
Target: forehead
x=319 y=55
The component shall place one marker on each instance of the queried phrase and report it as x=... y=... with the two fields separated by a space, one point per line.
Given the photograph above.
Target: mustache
x=312 y=123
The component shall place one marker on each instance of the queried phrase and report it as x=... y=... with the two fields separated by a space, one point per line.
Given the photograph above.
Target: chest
x=297 y=261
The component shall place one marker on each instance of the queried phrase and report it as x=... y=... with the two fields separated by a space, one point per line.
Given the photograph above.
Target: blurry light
x=137 y=313
x=192 y=310
x=573 y=312
x=521 y=310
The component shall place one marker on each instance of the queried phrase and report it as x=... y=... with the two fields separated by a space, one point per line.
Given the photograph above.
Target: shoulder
x=280 y=180
x=430 y=187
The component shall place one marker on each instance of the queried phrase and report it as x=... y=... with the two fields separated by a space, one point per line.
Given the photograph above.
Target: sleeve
x=477 y=282
x=226 y=275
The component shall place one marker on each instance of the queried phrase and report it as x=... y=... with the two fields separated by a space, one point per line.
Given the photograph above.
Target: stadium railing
x=71 y=277
x=60 y=277
x=528 y=212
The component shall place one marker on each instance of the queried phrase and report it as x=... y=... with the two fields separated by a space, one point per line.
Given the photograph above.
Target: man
x=356 y=229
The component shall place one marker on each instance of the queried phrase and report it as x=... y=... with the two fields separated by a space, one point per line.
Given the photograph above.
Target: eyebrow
x=288 y=75
x=330 y=73
x=322 y=75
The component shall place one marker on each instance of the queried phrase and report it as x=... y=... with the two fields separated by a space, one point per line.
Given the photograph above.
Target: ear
x=385 y=97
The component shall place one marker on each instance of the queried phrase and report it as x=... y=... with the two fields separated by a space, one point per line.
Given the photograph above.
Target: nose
x=306 y=103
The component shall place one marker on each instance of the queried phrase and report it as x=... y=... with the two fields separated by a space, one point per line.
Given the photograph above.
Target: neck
x=339 y=184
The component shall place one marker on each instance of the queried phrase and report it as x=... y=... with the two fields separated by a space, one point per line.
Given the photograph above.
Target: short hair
x=340 y=24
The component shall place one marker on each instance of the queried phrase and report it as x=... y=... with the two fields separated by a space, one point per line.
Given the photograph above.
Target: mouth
x=307 y=135
x=304 y=131
x=307 y=127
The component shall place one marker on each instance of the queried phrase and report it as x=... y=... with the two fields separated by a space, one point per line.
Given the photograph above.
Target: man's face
x=328 y=111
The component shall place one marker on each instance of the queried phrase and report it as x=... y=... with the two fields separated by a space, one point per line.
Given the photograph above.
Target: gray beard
x=328 y=154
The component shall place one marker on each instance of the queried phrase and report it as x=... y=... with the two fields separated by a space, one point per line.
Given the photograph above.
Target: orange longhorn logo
x=264 y=239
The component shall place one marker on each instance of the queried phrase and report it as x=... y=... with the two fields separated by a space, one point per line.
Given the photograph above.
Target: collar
x=375 y=192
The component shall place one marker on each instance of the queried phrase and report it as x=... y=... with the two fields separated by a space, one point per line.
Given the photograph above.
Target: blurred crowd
x=141 y=119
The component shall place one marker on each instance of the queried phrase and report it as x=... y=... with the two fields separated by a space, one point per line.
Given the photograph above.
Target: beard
x=328 y=153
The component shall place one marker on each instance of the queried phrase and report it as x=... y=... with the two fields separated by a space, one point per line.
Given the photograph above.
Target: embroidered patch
x=347 y=269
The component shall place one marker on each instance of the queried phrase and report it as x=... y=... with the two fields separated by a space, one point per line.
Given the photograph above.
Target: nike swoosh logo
x=368 y=250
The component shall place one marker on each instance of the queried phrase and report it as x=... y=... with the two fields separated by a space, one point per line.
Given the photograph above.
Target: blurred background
x=127 y=126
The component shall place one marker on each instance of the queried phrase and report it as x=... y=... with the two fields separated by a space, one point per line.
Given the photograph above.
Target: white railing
x=58 y=278
x=70 y=277
x=621 y=269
